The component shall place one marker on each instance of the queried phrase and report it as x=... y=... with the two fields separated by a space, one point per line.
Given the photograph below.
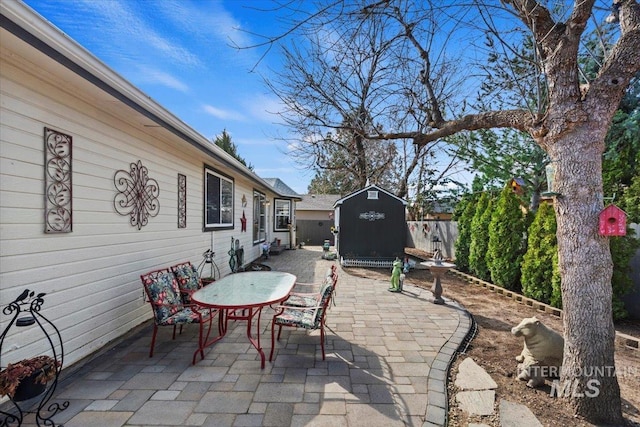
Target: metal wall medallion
x=137 y=195
x=371 y=215
x=57 y=180
x=182 y=201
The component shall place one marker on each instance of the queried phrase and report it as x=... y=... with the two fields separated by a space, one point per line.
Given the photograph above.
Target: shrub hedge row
x=495 y=243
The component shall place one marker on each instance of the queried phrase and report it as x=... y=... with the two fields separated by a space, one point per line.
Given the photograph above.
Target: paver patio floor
x=386 y=365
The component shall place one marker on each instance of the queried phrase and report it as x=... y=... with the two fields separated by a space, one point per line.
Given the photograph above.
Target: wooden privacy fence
x=433 y=234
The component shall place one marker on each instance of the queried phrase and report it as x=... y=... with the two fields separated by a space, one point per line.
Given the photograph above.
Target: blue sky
x=180 y=53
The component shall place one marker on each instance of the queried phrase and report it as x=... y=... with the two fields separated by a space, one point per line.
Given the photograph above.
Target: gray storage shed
x=372 y=227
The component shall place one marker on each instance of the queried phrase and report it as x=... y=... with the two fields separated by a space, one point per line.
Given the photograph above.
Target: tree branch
x=623 y=63
x=516 y=119
x=538 y=19
x=434 y=109
x=579 y=17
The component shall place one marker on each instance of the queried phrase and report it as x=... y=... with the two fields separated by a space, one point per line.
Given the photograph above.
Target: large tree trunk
x=588 y=375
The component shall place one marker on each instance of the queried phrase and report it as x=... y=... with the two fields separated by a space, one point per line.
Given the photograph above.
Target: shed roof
x=368 y=188
x=317 y=202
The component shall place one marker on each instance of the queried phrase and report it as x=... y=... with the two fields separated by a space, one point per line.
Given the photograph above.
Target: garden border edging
x=625 y=340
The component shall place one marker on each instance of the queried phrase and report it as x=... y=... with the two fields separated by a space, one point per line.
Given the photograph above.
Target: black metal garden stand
x=25 y=312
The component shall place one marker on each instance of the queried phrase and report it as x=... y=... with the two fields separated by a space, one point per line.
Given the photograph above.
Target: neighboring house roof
x=442 y=206
x=368 y=188
x=317 y=202
x=23 y=22
x=281 y=188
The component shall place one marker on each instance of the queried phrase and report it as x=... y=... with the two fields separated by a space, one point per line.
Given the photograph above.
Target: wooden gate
x=313 y=231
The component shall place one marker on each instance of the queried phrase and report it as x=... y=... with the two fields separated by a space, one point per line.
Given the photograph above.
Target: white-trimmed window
x=218 y=200
x=372 y=195
x=282 y=216
x=259 y=217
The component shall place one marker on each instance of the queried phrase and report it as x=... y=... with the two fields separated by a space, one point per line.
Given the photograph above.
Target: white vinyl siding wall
x=92 y=275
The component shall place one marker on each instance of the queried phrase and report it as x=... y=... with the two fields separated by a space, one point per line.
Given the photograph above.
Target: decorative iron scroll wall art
x=57 y=180
x=137 y=195
x=182 y=201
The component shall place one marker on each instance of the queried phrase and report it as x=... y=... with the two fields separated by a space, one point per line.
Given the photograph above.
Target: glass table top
x=249 y=289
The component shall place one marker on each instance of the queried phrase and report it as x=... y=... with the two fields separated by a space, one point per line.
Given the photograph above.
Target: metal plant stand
x=28 y=304
x=208 y=268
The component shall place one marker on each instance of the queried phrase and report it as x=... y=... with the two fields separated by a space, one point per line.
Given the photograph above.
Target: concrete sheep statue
x=542 y=354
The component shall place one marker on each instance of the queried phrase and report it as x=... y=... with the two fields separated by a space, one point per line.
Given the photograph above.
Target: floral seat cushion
x=325 y=293
x=310 y=300
x=308 y=313
x=188 y=279
x=164 y=294
x=294 y=300
x=186 y=315
x=187 y=275
x=310 y=317
x=307 y=319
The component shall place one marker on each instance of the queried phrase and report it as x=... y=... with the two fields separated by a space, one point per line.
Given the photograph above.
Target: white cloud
x=152 y=76
x=223 y=114
x=209 y=23
x=264 y=108
x=121 y=21
x=203 y=19
x=255 y=141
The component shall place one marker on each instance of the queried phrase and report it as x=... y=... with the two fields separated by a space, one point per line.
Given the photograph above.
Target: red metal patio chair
x=163 y=293
x=308 y=317
x=188 y=279
x=309 y=294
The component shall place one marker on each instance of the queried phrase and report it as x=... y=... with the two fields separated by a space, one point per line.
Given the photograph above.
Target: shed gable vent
x=372 y=195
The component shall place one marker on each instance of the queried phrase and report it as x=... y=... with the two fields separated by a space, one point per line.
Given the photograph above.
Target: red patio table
x=241 y=296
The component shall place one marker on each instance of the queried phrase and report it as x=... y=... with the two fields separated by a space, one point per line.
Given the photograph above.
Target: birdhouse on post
x=613 y=221
x=517 y=185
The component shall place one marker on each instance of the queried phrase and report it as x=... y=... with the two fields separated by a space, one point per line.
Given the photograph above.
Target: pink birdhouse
x=613 y=221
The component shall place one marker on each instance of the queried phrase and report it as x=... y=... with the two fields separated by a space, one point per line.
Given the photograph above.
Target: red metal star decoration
x=243 y=222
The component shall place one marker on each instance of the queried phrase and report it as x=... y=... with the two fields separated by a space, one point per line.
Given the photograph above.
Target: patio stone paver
x=236 y=402
x=202 y=373
x=99 y=419
x=92 y=389
x=386 y=365
x=150 y=381
x=165 y=413
x=279 y=393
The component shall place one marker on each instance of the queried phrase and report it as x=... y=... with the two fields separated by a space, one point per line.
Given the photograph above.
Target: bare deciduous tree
x=345 y=80
x=405 y=90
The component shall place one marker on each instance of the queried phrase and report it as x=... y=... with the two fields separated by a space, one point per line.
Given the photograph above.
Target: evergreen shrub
x=623 y=248
x=464 y=215
x=506 y=241
x=480 y=238
x=538 y=262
